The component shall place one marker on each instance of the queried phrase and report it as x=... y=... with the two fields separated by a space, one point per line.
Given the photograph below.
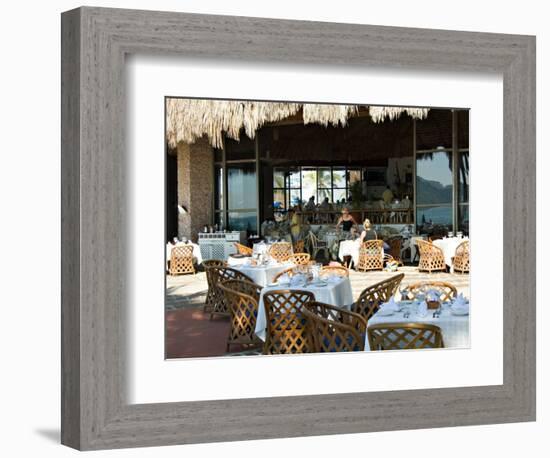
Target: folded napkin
x=460 y=300
x=460 y=306
x=390 y=307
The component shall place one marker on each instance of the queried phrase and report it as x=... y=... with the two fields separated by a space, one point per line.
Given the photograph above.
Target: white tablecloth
x=449 y=246
x=263 y=275
x=455 y=329
x=349 y=248
x=196 y=252
x=338 y=293
x=236 y=262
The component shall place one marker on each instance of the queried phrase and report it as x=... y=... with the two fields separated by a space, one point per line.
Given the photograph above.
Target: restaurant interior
x=337 y=212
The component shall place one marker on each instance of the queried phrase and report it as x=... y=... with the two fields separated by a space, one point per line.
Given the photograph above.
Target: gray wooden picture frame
x=95 y=413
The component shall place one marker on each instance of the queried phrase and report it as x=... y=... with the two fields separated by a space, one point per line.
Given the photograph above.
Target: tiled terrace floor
x=190 y=333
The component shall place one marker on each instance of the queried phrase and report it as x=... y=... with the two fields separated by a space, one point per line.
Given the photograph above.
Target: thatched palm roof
x=190 y=119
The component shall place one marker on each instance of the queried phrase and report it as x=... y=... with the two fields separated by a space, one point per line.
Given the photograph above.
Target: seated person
x=310 y=206
x=346 y=221
x=368 y=233
x=387 y=195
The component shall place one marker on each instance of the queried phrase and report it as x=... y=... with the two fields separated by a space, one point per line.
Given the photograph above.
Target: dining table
x=455 y=329
x=335 y=291
x=263 y=274
x=349 y=248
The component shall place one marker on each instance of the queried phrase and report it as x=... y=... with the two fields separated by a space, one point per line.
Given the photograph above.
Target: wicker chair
x=300 y=259
x=461 y=261
x=243 y=249
x=332 y=329
x=286 y=327
x=280 y=251
x=218 y=276
x=431 y=257
x=341 y=271
x=242 y=300
x=210 y=295
x=289 y=271
x=371 y=255
x=299 y=246
x=446 y=290
x=395 y=244
x=315 y=246
x=404 y=336
x=181 y=260
x=369 y=300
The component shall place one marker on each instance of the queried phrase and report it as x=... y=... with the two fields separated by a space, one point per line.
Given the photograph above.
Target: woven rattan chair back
x=290 y=271
x=286 y=327
x=300 y=259
x=333 y=329
x=209 y=303
x=431 y=257
x=461 y=261
x=369 y=300
x=280 y=251
x=371 y=255
x=341 y=271
x=395 y=244
x=404 y=336
x=181 y=260
x=315 y=245
x=218 y=276
x=446 y=291
x=243 y=249
x=299 y=246
x=242 y=298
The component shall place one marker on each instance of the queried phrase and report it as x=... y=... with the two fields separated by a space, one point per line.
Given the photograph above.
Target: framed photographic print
x=295 y=229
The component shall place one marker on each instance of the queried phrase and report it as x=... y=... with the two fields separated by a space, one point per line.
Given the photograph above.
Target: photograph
x=300 y=227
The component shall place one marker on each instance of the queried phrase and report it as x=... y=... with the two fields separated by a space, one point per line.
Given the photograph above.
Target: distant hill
x=432 y=192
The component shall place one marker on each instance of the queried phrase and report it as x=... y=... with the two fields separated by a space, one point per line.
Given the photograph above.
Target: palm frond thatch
x=190 y=119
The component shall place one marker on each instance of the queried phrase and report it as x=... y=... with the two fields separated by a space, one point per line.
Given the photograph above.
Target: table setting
x=451 y=316
x=329 y=288
x=261 y=270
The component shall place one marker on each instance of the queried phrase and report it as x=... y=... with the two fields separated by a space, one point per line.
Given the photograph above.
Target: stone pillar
x=195 y=187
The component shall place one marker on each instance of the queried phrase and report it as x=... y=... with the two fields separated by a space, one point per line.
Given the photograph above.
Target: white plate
x=460 y=312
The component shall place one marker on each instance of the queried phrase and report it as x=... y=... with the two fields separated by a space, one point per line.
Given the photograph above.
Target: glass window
x=279 y=202
x=324 y=177
x=339 y=178
x=309 y=183
x=464 y=219
x=294 y=178
x=463 y=176
x=339 y=194
x=440 y=215
x=434 y=182
x=322 y=194
x=242 y=221
x=278 y=178
x=241 y=186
